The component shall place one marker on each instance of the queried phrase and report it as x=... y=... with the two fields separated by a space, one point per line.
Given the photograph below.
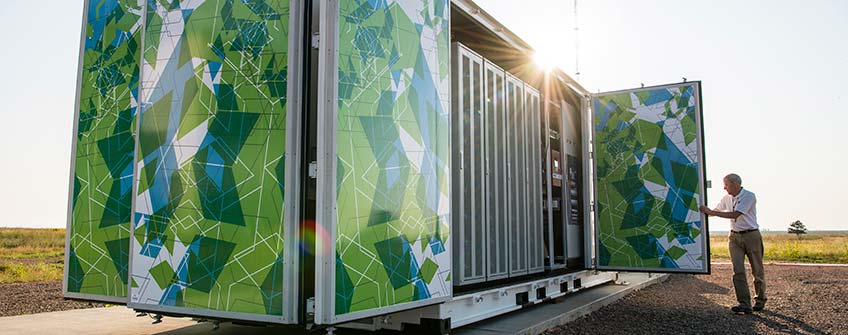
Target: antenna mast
x=576 y=44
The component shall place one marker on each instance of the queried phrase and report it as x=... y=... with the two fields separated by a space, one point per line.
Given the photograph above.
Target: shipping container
x=364 y=164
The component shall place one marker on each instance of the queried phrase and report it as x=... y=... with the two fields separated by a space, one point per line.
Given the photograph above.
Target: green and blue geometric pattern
x=99 y=225
x=208 y=225
x=648 y=179
x=393 y=136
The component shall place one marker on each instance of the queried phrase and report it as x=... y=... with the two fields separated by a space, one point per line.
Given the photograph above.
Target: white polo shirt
x=746 y=203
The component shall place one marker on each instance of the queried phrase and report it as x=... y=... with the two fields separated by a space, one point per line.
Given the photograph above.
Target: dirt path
x=802 y=300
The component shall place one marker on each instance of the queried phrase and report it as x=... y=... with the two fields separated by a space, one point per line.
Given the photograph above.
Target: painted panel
x=649 y=173
x=97 y=253
x=392 y=227
x=209 y=218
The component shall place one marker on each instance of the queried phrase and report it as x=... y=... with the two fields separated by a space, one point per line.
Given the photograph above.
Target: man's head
x=733 y=184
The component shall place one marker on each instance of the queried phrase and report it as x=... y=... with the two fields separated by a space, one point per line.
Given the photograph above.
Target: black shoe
x=741 y=309
x=758 y=308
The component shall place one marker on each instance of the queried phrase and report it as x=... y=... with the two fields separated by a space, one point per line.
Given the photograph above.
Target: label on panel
x=650 y=180
x=99 y=220
x=392 y=226
x=209 y=218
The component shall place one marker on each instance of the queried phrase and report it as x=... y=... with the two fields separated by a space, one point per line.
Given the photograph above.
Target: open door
x=383 y=169
x=649 y=180
x=100 y=196
x=215 y=183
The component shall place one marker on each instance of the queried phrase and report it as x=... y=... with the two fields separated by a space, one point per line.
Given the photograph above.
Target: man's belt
x=744 y=231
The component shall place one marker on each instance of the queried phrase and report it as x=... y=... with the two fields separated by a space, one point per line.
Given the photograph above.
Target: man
x=740 y=206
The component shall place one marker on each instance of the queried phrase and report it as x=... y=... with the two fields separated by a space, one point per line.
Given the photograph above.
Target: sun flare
x=544 y=60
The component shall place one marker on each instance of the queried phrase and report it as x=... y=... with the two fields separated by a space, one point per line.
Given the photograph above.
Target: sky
x=773 y=76
x=773 y=91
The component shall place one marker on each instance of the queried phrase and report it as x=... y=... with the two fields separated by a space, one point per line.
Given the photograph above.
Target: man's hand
x=706 y=210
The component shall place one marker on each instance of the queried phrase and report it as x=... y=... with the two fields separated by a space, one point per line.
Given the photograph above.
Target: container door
x=215 y=181
x=98 y=231
x=384 y=166
x=649 y=180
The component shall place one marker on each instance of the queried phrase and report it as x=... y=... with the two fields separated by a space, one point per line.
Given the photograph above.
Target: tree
x=797 y=228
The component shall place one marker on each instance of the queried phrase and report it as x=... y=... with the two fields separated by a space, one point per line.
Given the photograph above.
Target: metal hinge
x=313 y=169
x=316 y=40
x=310 y=306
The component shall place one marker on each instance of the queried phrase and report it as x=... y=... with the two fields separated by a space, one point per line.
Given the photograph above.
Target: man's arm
x=726 y=215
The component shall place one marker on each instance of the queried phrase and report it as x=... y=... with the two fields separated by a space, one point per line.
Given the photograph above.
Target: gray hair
x=734 y=178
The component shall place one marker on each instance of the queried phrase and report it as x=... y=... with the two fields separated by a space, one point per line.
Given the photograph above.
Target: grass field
x=783 y=247
x=28 y=255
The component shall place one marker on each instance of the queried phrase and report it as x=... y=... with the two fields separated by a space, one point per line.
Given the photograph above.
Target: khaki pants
x=748 y=244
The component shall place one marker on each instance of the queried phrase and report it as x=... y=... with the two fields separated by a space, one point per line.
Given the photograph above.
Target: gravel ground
x=802 y=300
x=29 y=298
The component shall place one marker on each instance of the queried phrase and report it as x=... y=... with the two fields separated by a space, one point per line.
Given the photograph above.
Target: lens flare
x=311 y=233
x=544 y=61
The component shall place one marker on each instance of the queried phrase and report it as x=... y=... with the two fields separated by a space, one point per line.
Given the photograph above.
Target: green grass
x=28 y=255
x=783 y=247
x=31 y=243
x=11 y=272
